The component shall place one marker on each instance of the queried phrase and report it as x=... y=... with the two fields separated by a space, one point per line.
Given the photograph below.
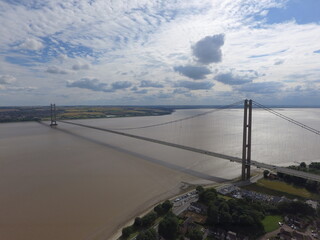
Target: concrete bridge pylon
x=246 y=144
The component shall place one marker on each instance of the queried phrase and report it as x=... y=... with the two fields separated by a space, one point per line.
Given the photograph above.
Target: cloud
x=232 y=79
x=144 y=36
x=142 y=91
x=268 y=54
x=193 y=72
x=183 y=91
x=164 y=95
x=279 y=62
x=121 y=85
x=88 y=83
x=31 y=44
x=147 y=83
x=137 y=91
x=77 y=67
x=195 y=85
x=94 y=84
x=208 y=49
x=7 y=79
x=22 y=89
x=56 y=70
x=261 y=87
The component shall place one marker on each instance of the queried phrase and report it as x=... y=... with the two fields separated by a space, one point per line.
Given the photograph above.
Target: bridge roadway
x=292 y=172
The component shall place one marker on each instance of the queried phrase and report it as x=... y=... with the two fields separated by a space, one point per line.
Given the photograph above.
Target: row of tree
x=142 y=224
x=312 y=186
x=313 y=167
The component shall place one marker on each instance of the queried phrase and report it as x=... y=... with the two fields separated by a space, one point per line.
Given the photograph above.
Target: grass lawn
x=271 y=223
x=285 y=187
x=279 y=188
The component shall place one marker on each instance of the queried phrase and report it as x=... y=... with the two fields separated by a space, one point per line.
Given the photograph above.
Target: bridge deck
x=292 y=172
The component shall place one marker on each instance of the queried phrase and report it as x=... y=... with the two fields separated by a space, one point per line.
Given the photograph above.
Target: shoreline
x=118 y=232
x=191 y=187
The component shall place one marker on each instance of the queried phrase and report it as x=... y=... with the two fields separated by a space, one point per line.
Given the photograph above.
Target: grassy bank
x=278 y=188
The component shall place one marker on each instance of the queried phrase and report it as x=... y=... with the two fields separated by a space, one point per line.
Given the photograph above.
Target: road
x=292 y=172
x=288 y=171
x=185 y=204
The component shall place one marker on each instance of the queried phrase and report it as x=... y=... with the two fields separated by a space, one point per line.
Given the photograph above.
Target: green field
x=278 y=188
x=285 y=187
x=271 y=223
x=18 y=114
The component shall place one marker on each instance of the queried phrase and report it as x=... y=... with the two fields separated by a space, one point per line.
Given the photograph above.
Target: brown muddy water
x=74 y=183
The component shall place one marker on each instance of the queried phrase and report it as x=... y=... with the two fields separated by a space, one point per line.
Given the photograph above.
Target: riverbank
x=42 y=113
x=185 y=188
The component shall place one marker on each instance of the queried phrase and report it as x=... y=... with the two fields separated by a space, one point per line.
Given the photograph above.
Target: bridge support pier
x=246 y=147
x=53 y=115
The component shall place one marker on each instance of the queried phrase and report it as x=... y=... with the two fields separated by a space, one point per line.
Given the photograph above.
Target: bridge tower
x=53 y=115
x=246 y=144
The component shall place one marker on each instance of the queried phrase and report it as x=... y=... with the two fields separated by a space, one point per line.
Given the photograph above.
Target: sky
x=153 y=52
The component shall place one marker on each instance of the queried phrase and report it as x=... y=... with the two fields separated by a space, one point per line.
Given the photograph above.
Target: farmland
x=18 y=114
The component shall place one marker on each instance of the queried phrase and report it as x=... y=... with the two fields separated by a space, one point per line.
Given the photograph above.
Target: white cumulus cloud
x=31 y=44
x=7 y=79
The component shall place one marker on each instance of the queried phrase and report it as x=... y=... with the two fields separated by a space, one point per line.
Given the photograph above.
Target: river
x=75 y=183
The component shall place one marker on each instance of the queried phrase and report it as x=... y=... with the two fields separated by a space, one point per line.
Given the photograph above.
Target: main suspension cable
x=183 y=119
x=308 y=128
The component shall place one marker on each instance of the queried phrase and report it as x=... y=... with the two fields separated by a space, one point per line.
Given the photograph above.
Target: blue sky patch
x=22 y=61
x=52 y=49
x=31 y=4
x=267 y=54
x=302 y=11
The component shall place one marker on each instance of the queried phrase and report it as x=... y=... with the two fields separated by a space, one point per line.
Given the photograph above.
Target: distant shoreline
x=42 y=113
x=27 y=114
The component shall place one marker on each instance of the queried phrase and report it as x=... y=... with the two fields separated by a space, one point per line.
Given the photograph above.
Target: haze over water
x=78 y=183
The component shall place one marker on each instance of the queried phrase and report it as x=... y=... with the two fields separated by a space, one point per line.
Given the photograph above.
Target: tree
x=137 y=222
x=199 y=189
x=225 y=218
x=303 y=165
x=213 y=215
x=246 y=220
x=163 y=208
x=315 y=165
x=224 y=206
x=296 y=207
x=208 y=195
x=312 y=185
x=195 y=234
x=158 y=209
x=265 y=173
x=127 y=231
x=168 y=227
x=149 y=234
x=166 y=206
x=148 y=220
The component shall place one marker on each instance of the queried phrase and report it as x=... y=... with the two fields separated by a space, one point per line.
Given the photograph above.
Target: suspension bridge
x=247 y=126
